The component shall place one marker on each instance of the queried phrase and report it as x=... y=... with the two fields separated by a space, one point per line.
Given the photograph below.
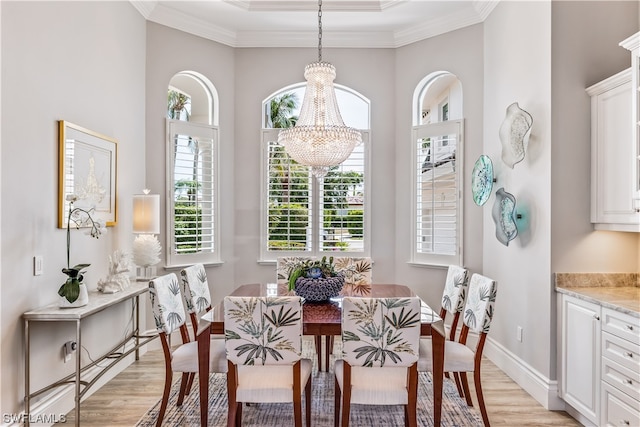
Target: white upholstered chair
x=264 y=351
x=169 y=315
x=460 y=358
x=197 y=296
x=380 y=339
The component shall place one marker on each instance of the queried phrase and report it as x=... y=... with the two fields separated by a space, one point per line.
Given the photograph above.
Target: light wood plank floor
x=124 y=400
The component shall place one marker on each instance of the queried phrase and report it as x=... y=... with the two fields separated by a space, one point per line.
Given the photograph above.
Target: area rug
x=455 y=411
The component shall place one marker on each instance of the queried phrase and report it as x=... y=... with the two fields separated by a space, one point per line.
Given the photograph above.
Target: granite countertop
x=617 y=291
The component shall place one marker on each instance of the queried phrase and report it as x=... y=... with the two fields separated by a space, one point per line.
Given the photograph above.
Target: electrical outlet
x=69 y=348
x=519 y=333
x=37 y=265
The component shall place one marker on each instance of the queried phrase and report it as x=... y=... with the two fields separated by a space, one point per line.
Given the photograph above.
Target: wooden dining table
x=320 y=319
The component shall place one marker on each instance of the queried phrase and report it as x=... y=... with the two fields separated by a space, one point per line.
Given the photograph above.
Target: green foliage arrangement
x=312 y=269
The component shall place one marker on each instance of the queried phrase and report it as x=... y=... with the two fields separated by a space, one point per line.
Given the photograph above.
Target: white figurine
x=118 y=278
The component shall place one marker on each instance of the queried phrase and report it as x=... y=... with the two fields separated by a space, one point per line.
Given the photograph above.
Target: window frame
x=175 y=260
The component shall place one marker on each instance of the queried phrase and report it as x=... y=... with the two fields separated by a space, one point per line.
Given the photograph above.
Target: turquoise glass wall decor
x=504 y=216
x=482 y=180
x=514 y=134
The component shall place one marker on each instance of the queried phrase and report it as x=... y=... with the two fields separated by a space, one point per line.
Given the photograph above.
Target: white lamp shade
x=146 y=213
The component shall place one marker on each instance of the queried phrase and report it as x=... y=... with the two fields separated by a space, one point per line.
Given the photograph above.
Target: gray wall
x=86 y=66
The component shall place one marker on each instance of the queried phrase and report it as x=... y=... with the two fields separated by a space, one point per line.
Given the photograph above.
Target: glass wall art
x=514 y=134
x=482 y=180
x=504 y=216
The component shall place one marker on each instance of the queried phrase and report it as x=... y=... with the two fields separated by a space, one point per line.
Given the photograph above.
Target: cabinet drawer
x=621 y=325
x=621 y=378
x=621 y=351
x=618 y=409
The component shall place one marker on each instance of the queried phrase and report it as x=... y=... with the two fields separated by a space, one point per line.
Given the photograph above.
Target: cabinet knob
x=630 y=327
x=625 y=422
x=595 y=316
x=630 y=382
x=629 y=354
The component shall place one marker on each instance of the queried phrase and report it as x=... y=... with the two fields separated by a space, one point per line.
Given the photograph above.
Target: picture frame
x=87 y=166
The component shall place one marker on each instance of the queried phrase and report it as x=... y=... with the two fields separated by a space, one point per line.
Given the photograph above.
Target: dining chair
x=458 y=356
x=264 y=351
x=380 y=341
x=169 y=315
x=197 y=298
x=452 y=302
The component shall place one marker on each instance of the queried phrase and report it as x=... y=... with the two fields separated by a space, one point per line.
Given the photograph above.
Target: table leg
x=27 y=379
x=78 y=369
x=204 y=344
x=437 y=342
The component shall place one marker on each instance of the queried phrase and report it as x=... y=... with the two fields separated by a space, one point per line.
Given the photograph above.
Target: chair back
x=263 y=330
x=478 y=310
x=166 y=301
x=454 y=294
x=197 y=296
x=284 y=266
x=380 y=332
x=357 y=274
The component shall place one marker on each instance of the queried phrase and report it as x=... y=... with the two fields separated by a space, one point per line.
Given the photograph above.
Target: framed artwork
x=87 y=169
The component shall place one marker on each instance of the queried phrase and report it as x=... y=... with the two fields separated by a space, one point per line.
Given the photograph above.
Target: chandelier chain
x=319 y=30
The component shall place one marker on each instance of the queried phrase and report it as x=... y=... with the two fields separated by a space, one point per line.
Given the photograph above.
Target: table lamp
x=146 y=224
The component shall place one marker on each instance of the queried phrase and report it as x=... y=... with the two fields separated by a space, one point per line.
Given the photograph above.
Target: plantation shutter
x=288 y=199
x=437 y=193
x=192 y=206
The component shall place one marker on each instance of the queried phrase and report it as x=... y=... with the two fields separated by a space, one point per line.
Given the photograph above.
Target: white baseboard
x=54 y=406
x=541 y=388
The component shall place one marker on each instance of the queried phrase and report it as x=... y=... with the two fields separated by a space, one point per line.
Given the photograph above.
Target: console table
x=98 y=302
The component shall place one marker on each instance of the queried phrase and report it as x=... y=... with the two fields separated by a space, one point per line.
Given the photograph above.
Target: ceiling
x=294 y=23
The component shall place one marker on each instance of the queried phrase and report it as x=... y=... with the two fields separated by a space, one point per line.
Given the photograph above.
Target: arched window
x=300 y=215
x=437 y=141
x=192 y=171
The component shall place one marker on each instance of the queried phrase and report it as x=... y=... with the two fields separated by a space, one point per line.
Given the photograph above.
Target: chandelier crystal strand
x=319 y=139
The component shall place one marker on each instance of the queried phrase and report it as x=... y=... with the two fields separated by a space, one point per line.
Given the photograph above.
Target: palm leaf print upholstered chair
x=458 y=357
x=264 y=351
x=197 y=296
x=357 y=275
x=380 y=341
x=170 y=316
x=452 y=302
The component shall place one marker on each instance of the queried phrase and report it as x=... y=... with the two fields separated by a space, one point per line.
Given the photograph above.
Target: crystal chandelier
x=319 y=138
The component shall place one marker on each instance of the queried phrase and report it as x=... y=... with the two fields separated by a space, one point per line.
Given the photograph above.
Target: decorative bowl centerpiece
x=316 y=280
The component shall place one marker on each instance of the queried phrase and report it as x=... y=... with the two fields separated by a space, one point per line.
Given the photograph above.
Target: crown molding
x=155 y=11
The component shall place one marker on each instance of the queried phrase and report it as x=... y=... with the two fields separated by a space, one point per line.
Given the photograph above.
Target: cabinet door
x=581 y=356
x=613 y=156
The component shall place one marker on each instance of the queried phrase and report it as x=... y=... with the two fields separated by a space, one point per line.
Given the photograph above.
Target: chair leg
x=465 y=387
x=234 y=413
x=297 y=395
x=307 y=397
x=184 y=382
x=336 y=404
x=165 y=396
x=319 y=351
x=346 y=394
x=239 y=414
x=411 y=407
x=456 y=377
x=192 y=375
x=483 y=409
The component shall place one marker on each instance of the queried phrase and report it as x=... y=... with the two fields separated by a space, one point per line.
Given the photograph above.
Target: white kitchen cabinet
x=615 y=146
x=580 y=357
x=620 y=369
x=612 y=155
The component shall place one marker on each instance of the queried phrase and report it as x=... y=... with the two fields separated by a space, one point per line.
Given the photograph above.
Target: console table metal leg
x=137 y=326
x=27 y=388
x=78 y=371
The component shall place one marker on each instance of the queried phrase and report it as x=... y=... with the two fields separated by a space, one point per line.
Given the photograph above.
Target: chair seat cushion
x=185 y=357
x=270 y=383
x=457 y=357
x=375 y=386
